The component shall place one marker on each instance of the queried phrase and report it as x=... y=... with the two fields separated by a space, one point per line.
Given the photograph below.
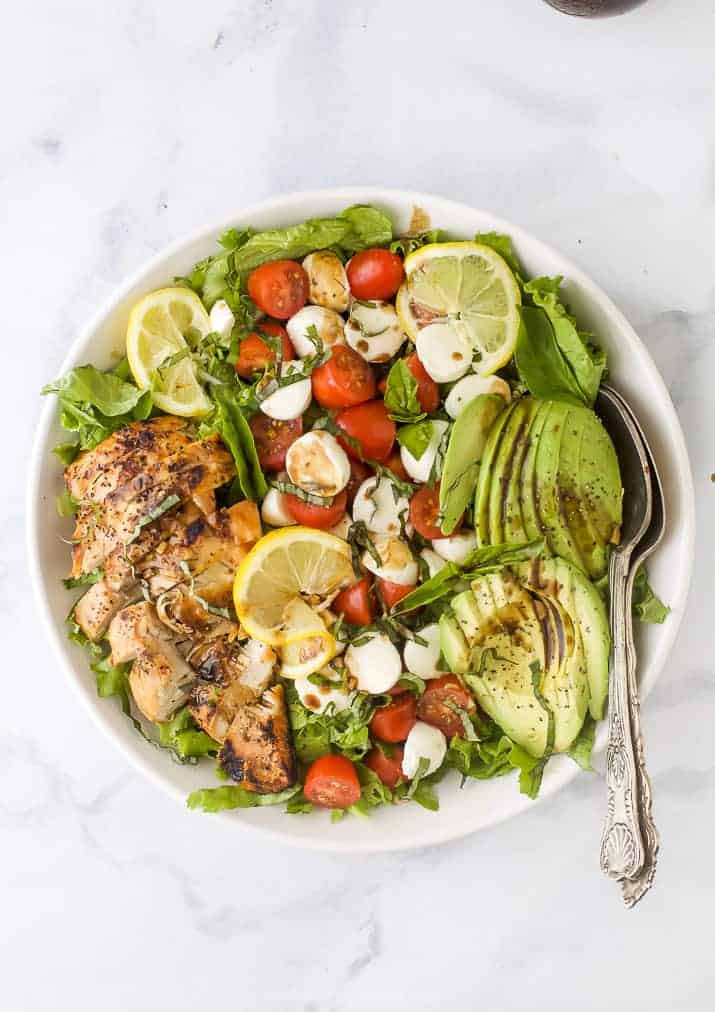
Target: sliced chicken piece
x=231 y=675
x=257 y=751
x=96 y=609
x=131 y=450
x=160 y=678
x=197 y=547
x=190 y=614
x=118 y=520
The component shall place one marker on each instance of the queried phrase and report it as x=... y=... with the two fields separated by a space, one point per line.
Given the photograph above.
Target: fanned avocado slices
x=578 y=518
x=599 y=480
x=514 y=527
x=503 y=472
x=524 y=483
x=481 y=496
x=532 y=644
x=563 y=582
x=548 y=504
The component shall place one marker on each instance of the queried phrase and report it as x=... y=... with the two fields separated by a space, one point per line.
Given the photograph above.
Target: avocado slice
x=526 y=481
x=599 y=480
x=503 y=470
x=557 y=579
x=512 y=510
x=565 y=686
x=467 y=442
x=468 y=615
x=453 y=645
x=481 y=496
x=548 y=505
x=577 y=516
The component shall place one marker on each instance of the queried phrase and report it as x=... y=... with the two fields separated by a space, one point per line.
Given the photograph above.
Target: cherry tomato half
x=344 y=380
x=273 y=439
x=387 y=767
x=424 y=512
x=427 y=389
x=391 y=593
x=371 y=426
x=280 y=289
x=392 y=723
x=358 y=473
x=254 y=354
x=332 y=782
x=354 y=602
x=321 y=517
x=433 y=709
x=375 y=274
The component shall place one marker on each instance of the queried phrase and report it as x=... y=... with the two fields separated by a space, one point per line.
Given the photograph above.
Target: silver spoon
x=630 y=840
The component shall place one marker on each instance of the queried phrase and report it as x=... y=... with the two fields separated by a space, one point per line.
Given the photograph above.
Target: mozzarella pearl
x=291 y=401
x=374 y=331
x=444 y=351
x=423 y=742
x=329 y=326
x=376 y=507
x=221 y=319
x=317 y=463
x=375 y=664
x=318 y=697
x=435 y=563
x=419 y=470
x=470 y=387
x=397 y=563
x=423 y=661
x=328 y=280
x=457 y=547
x=273 y=509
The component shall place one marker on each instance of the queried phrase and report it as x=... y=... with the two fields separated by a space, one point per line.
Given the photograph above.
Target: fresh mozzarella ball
x=342 y=527
x=456 y=547
x=328 y=280
x=419 y=470
x=317 y=463
x=329 y=326
x=375 y=664
x=470 y=387
x=291 y=401
x=423 y=742
x=318 y=697
x=435 y=563
x=397 y=563
x=375 y=505
x=273 y=509
x=221 y=319
x=423 y=661
x=374 y=331
x=444 y=351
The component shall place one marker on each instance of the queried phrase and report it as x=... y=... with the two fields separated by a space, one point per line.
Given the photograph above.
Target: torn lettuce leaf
x=647 y=606
x=230 y=423
x=222 y=799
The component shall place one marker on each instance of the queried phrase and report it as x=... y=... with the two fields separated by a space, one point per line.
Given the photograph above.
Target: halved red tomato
x=332 y=782
x=273 y=439
x=392 y=723
x=433 y=708
x=321 y=517
x=371 y=426
x=354 y=602
x=344 y=380
x=387 y=767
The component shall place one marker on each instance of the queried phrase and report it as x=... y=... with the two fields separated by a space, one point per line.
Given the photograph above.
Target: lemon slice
x=294 y=562
x=162 y=327
x=469 y=288
x=307 y=646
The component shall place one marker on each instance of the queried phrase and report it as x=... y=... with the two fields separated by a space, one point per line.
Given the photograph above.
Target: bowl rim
x=341 y=196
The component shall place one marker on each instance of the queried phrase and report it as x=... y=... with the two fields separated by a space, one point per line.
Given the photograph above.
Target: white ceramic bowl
x=479 y=803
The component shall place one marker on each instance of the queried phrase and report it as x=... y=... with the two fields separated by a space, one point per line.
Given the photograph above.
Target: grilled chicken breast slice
x=160 y=678
x=258 y=751
x=231 y=674
x=98 y=606
x=118 y=520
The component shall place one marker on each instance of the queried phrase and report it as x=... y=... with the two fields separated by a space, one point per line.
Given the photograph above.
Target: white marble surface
x=126 y=125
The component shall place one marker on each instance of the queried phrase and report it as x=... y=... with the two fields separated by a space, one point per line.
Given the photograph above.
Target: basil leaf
x=541 y=363
x=582 y=748
x=401 y=394
x=415 y=437
x=531 y=770
x=437 y=586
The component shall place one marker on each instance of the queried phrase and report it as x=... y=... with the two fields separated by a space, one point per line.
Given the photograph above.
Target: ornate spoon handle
x=635 y=888
x=622 y=852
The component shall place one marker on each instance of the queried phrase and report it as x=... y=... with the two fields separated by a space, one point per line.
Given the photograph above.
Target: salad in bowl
x=342 y=517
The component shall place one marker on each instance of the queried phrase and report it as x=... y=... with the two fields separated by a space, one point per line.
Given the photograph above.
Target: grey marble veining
x=127 y=125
